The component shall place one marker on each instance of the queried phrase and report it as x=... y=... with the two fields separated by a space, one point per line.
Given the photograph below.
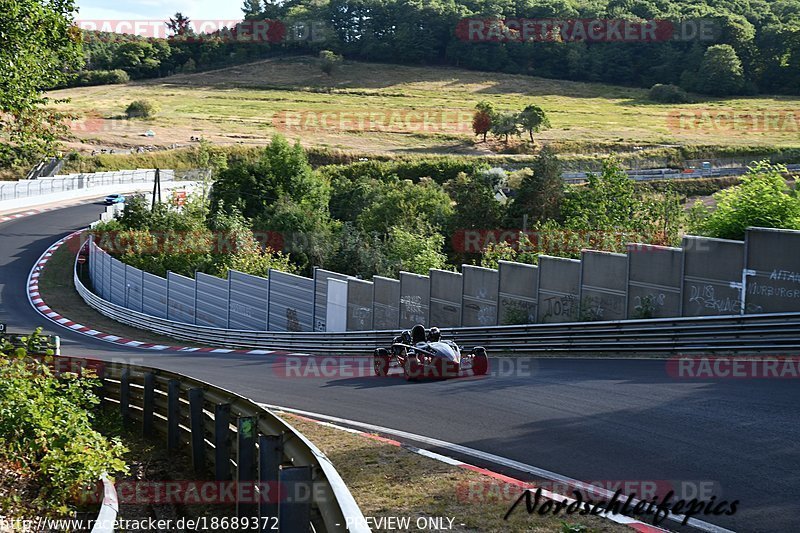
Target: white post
x=743 y=287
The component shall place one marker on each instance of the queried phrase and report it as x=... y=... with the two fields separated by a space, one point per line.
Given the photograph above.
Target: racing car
x=422 y=353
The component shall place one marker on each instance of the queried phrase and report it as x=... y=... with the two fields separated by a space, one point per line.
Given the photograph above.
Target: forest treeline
x=754 y=46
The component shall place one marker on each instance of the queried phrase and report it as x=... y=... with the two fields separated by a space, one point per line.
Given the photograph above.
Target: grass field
x=389 y=481
x=383 y=106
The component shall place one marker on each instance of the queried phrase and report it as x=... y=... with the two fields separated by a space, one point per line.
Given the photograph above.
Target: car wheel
x=381 y=360
x=480 y=361
x=412 y=368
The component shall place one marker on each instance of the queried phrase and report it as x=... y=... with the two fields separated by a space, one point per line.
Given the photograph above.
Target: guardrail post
x=125 y=395
x=270 y=453
x=295 y=499
x=222 y=442
x=148 y=407
x=245 y=466
x=198 y=430
x=173 y=414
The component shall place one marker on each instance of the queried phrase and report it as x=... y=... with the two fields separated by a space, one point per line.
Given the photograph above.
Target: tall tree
x=533 y=119
x=482 y=120
x=721 y=71
x=481 y=123
x=39 y=46
x=180 y=24
x=505 y=124
x=541 y=191
x=252 y=9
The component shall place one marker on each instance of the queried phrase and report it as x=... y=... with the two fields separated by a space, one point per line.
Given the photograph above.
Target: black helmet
x=434 y=335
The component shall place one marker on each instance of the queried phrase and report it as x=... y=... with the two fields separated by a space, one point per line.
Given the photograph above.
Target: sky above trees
x=154 y=9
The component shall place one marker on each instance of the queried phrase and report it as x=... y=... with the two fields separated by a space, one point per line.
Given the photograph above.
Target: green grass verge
x=387 y=481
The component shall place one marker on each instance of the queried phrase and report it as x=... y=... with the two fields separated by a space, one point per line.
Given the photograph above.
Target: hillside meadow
x=377 y=108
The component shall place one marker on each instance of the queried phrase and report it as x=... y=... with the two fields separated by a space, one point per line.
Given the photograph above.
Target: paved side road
x=593 y=420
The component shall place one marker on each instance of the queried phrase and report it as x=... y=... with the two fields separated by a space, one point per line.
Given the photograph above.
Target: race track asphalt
x=587 y=419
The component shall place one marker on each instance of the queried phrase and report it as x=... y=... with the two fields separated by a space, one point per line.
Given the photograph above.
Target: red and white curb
x=374 y=432
x=38 y=211
x=35 y=298
x=16 y=216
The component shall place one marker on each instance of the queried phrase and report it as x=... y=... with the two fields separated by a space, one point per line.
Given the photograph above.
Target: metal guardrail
x=274 y=471
x=109 y=509
x=674 y=174
x=48 y=185
x=756 y=333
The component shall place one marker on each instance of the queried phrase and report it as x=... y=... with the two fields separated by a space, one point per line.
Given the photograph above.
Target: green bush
x=763 y=200
x=46 y=425
x=184 y=241
x=141 y=109
x=102 y=77
x=667 y=94
x=329 y=61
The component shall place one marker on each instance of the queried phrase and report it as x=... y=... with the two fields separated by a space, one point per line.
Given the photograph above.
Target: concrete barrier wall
x=703 y=278
x=321 y=278
x=248 y=301
x=446 y=293
x=118 y=287
x=107 y=278
x=360 y=294
x=559 y=289
x=134 y=281
x=481 y=293
x=291 y=302
x=95 y=265
x=98 y=273
x=712 y=276
x=154 y=295
x=774 y=258
x=386 y=303
x=181 y=298
x=654 y=281
x=415 y=296
x=336 y=305
x=212 y=301
x=519 y=293
x=92 y=262
x=604 y=286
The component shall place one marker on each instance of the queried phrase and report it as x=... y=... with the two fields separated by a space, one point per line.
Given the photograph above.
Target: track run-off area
x=626 y=420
